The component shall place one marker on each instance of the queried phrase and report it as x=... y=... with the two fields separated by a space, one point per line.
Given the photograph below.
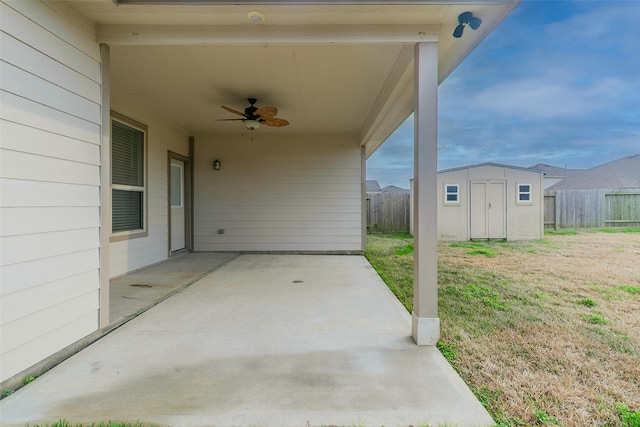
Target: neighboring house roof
x=490 y=164
x=618 y=174
x=373 y=186
x=394 y=189
x=555 y=171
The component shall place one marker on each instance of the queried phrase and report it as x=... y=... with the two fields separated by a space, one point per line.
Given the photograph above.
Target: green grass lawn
x=538 y=346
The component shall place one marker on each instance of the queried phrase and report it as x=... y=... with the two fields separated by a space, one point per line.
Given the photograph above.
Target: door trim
x=188 y=203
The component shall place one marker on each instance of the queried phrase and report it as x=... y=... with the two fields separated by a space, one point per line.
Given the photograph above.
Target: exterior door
x=178 y=216
x=488 y=210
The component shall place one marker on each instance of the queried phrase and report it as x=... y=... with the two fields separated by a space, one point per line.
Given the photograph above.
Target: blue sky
x=557 y=82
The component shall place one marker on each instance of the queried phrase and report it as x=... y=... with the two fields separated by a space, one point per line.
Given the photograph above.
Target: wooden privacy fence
x=550 y=211
x=591 y=208
x=388 y=212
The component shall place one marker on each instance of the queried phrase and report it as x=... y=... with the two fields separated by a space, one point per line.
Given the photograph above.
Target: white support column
x=425 y=328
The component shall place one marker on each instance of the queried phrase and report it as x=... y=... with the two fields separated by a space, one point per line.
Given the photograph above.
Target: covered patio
x=263 y=340
x=117 y=156
x=344 y=74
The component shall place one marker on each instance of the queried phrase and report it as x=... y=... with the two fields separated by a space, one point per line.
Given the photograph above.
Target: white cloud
x=556 y=82
x=549 y=96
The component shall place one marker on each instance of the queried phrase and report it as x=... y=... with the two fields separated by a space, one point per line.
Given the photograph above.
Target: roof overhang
x=329 y=66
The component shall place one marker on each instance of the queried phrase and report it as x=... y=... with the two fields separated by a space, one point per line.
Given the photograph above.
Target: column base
x=425 y=330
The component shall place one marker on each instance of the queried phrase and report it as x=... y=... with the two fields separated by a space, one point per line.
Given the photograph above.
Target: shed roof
x=491 y=164
x=618 y=174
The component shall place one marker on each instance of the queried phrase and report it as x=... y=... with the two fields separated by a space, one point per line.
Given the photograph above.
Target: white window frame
x=447 y=193
x=143 y=232
x=519 y=193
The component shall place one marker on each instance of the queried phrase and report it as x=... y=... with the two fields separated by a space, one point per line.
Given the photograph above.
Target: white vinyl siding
x=278 y=194
x=49 y=182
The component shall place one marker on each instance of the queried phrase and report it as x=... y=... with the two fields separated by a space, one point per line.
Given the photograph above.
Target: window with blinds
x=127 y=177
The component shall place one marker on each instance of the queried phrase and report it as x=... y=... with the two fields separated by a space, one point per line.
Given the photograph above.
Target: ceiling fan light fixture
x=256 y=17
x=251 y=124
x=253 y=117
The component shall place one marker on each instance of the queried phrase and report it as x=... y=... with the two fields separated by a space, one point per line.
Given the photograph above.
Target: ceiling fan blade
x=231 y=110
x=228 y=120
x=278 y=123
x=266 y=112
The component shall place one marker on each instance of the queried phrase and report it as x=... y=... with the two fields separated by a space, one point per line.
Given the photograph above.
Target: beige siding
x=49 y=183
x=129 y=255
x=453 y=218
x=525 y=221
x=294 y=193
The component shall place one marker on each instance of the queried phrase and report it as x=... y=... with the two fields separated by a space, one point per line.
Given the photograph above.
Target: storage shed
x=490 y=201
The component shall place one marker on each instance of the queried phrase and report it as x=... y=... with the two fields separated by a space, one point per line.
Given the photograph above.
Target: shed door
x=488 y=210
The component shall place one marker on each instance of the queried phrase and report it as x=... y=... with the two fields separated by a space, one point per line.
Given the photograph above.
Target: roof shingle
x=623 y=173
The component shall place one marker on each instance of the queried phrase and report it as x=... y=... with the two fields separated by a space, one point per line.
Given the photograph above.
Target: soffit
x=188 y=84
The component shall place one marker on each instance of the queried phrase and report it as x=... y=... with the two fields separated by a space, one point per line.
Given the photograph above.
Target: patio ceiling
x=329 y=68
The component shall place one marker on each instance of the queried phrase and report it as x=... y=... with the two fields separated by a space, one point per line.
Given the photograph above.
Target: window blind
x=126 y=210
x=127 y=155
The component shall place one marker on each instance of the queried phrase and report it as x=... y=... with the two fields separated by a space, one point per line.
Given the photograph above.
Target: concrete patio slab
x=265 y=340
x=135 y=292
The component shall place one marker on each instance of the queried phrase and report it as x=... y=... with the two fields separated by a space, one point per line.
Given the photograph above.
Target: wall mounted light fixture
x=216 y=165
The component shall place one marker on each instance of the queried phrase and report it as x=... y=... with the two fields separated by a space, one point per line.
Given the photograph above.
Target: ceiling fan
x=253 y=116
